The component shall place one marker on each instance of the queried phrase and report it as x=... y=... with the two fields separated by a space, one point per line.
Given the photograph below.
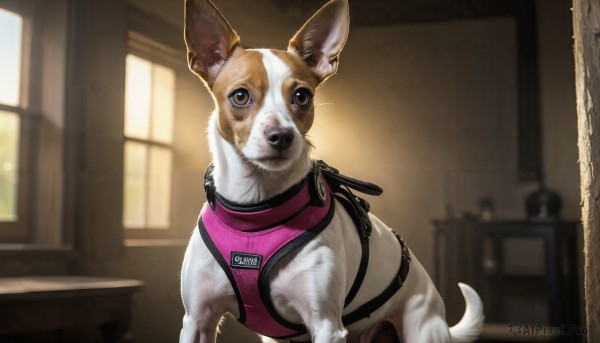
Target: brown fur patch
x=244 y=70
x=301 y=77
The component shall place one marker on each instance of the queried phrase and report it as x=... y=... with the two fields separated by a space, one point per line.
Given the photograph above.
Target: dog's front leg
x=203 y=315
x=206 y=293
x=324 y=318
x=310 y=289
x=329 y=330
x=203 y=331
x=324 y=324
x=189 y=331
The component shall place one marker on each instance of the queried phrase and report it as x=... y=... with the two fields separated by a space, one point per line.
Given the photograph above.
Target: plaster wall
x=427 y=111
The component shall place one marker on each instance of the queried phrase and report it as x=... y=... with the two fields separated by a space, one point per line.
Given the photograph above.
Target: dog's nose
x=280 y=138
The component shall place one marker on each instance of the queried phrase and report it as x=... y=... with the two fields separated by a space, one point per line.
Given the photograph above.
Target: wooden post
x=586 y=28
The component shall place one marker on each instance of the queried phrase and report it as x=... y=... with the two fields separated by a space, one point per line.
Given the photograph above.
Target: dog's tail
x=471 y=324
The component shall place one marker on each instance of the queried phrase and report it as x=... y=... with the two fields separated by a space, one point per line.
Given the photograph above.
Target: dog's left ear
x=321 y=39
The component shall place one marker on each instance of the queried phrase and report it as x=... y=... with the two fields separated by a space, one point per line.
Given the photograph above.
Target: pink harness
x=249 y=240
x=248 y=243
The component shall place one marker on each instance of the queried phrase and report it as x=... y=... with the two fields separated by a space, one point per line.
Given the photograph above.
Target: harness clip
x=364 y=204
x=317 y=189
x=209 y=186
x=362 y=207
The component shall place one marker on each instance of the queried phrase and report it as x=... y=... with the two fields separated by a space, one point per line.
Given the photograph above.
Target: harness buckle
x=209 y=186
x=364 y=204
x=362 y=207
x=317 y=189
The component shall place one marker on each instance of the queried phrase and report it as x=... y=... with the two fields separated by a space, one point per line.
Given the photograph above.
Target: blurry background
x=458 y=109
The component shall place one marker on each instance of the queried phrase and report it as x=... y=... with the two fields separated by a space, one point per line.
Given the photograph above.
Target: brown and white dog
x=257 y=137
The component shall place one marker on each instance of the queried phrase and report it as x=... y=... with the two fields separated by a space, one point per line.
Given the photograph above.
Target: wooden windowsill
x=43 y=287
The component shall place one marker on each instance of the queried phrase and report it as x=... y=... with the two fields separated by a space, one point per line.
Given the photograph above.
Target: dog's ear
x=321 y=39
x=209 y=38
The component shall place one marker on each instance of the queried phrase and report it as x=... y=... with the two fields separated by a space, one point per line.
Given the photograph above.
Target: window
x=164 y=117
x=11 y=41
x=149 y=114
x=33 y=53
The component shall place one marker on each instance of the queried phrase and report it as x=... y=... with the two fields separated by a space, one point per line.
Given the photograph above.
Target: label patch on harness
x=245 y=261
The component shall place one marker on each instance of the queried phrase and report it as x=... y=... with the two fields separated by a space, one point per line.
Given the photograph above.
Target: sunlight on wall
x=336 y=139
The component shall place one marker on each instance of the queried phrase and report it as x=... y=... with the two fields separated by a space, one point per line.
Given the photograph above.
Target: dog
x=282 y=243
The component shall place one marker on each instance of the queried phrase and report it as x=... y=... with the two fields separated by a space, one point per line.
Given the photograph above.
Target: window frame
x=156 y=53
x=19 y=230
x=42 y=115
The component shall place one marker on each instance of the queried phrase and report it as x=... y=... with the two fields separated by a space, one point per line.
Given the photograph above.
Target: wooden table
x=65 y=308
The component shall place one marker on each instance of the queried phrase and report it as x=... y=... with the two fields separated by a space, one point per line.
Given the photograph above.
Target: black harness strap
x=334 y=177
x=358 y=209
x=372 y=305
x=351 y=209
x=225 y=266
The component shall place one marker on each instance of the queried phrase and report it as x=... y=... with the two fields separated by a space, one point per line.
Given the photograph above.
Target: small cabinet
x=525 y=271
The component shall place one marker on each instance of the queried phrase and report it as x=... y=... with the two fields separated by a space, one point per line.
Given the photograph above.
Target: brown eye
x=302 y=97
x=240 y=98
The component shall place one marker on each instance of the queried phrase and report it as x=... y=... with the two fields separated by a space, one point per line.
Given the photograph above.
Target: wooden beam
x=586 y=29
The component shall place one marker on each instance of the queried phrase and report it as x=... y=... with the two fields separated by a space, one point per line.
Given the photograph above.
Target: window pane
x=159 y=188
x=149 y=112
x=163 y=103
x=10 y=57
x=138 y=83
x=9 y=138
x=135 y=188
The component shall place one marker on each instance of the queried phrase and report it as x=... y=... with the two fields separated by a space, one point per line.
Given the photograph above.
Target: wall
x=557 y=102
x=427 y=111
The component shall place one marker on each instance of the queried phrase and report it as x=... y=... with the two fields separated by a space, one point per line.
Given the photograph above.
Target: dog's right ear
x=209 y=38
